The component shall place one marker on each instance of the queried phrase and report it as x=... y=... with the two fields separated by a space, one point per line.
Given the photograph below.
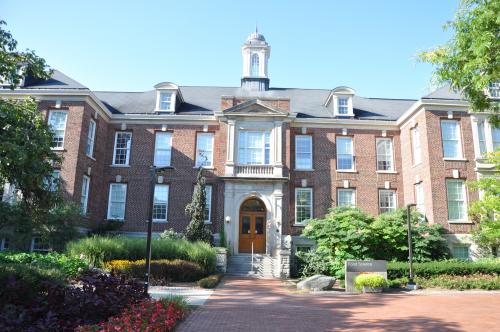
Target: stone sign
x=355 y=268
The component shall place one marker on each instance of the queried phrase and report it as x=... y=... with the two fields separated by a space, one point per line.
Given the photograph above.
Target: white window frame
x=128 y=148
x=455 y=246
x=495 y=144
x=158 y=148
x=33 y=245
x=416 y=145
x=389 y=208
x=59 y=138
x=208 y=202
x=464 y=218
x=310 y=205
x=84 y=199
x=4 y=241
x=390 y=154
x=336 y=105
x=347 y=190
x=353 y=167
x=265 y=149
x=307 y=155
x=111 y=186
x=343 y=109
x=459 y=156
x=91 y=138
x=164 y=202
x=208 y=162
x=420 y=197
x=494 y=90
x=55 y=180
x=161 y=102
x=255 y=65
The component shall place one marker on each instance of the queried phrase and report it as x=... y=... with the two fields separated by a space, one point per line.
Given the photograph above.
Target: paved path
x=266 y=305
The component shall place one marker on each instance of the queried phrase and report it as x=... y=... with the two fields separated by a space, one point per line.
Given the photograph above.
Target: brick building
x=273 y=157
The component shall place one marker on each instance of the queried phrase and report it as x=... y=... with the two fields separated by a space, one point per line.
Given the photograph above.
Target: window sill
x=208 y=222
x=345 y=171
x=299 y=225
x=204 y=167
x=90 y=157
x=455 y=159
x=112 y=220
x=58 y=149
x=304 y=170
x=460 y=222
x=160 y=221
x=387 y=172
x=163 y=166
x=415 y=165
x=119 y=166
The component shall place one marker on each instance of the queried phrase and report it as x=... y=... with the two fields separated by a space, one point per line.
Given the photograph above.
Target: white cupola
x=255 y=52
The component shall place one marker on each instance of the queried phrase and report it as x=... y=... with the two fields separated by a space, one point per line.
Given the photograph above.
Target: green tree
x=486 y=211
x=196 y=210
x=470 y=61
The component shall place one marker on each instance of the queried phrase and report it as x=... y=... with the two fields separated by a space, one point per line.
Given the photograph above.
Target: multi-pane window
x=4 y=244
x=384 y=154
x=460 y=251
x=346 y=197
x=494 y=89
x=163 y=149
x=450 y=134
x=419 y=197
x=343 y=106
x=457 y=207
x=123 y=141
x=117 y=199
x=495 y=136
x=52 y=182
x=90 y=139
x=254 y=148
x=208 y=204
x=57 y=123
x=254 y=66
x=85 y=194
x=39 y=245
x=160 y=203
x=165 y=102
x=387 y=200
x=417 y=148
x=303 y=204
x=345 y=157
x=481 y=137
x=204 y=149
x=303 y=152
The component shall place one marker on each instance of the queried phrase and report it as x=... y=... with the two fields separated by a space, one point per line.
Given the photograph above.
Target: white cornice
x=163 y=119
x=435 y=105
x=344 y=123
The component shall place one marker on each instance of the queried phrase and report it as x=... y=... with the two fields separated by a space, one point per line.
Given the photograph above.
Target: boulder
x=317 y=282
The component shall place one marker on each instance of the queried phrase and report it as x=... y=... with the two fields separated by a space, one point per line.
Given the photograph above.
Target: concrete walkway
x=192 y=295
x=266 y=305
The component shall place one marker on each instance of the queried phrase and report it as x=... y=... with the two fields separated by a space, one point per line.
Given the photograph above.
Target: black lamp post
x=411 y=284
x=154 y=171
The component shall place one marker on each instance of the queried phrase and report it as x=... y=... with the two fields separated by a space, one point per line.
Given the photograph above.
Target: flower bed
x=151 y=316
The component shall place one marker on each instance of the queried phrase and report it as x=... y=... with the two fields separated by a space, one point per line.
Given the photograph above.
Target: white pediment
x=254 y=107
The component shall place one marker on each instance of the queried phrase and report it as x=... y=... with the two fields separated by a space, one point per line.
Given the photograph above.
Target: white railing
x=254 y=170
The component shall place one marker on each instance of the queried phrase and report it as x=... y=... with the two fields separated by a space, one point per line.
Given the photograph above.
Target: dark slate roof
x=444 y=92
x=57 y=81
x=307 y=103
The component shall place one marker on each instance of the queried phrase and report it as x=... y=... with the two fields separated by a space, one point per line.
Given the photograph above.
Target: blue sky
x=370 y=46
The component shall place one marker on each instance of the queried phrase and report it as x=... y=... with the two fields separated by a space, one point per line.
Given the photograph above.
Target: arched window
x=254 y=65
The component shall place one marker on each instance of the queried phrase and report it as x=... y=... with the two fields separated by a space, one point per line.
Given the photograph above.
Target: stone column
x=278 y=148
x=230 y=147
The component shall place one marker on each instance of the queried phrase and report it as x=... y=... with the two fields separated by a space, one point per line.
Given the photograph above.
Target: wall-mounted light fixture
x=228 y=219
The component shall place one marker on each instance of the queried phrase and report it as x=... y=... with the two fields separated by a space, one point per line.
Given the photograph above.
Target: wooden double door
x=252 y=231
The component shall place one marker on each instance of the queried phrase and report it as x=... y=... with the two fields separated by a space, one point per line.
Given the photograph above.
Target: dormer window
x=340 y=100
x=165 y=101
x=168 y=96
x=343 y=108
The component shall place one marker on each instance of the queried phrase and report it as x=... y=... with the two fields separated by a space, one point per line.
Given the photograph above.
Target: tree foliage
x=197 y=230
x=486 y=211
x=470 y=60
x=349 y=233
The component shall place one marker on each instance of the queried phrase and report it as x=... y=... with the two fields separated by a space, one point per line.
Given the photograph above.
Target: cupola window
x=255 y=65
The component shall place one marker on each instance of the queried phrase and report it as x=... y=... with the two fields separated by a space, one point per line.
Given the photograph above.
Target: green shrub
x=472 y=281
x=71 y=266
x=179 y=301
x=99 y=249
x=210 y=282
x=162 y=271
x=371 y=280
x=451 y=267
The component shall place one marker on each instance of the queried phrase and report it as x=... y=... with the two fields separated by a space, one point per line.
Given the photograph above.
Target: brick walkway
x=266 y=305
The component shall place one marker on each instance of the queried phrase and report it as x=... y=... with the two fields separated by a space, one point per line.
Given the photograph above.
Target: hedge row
x=162 y=271
x=430 y=269
x=100 y=249
x=71 y=266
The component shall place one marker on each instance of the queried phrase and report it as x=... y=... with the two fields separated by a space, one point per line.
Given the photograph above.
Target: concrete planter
x=372 y=289
x=221 y=264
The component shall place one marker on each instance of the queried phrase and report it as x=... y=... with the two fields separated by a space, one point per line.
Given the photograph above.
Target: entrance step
x=242 y=265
